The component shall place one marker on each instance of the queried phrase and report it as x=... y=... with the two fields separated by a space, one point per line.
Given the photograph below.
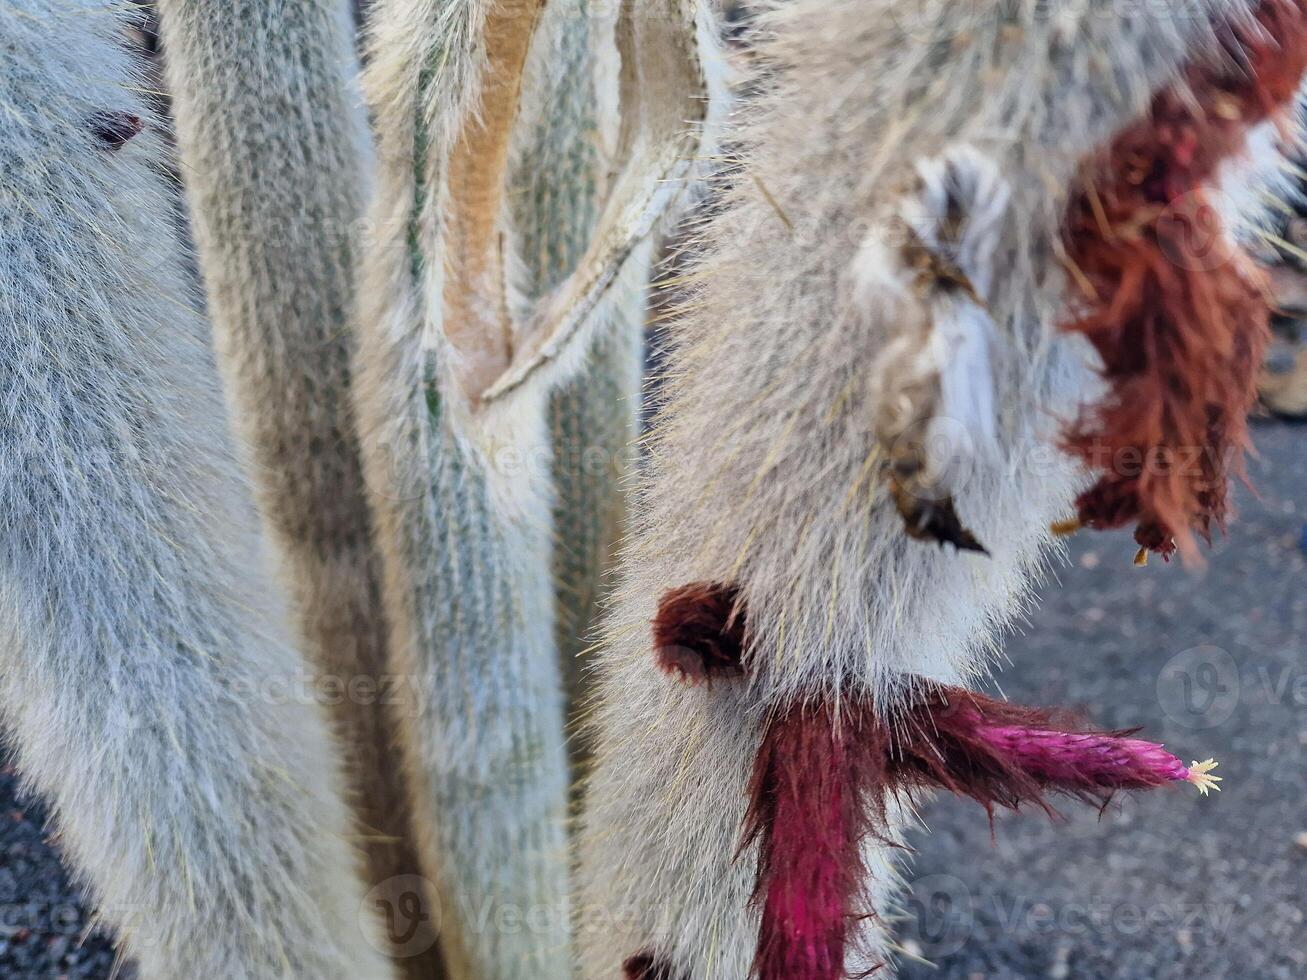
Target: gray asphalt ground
x=1168 y=885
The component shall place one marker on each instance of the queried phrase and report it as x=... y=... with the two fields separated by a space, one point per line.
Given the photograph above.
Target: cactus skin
x=466 y=552
x=593 y=426
x=557 y=182
x=763 y=472
x=276 y=160
x=465 y=276
x=144 y=633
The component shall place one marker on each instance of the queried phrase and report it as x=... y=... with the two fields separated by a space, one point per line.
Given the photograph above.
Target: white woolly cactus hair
x=141 y=620
x=276 y=162
x=832 y=307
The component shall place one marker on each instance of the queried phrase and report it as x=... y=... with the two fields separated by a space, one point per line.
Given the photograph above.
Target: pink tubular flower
x=823 y=778
x=1095 y=760
x=1003 y=754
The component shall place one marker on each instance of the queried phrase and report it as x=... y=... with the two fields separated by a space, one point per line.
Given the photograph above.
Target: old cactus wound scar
x=935 y=382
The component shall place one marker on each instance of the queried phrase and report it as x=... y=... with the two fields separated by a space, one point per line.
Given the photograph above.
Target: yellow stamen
x=1141 y=558
x=1200 y=775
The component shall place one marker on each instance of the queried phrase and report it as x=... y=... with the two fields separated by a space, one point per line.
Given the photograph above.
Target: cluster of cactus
x=306 y=690
x=428 y=549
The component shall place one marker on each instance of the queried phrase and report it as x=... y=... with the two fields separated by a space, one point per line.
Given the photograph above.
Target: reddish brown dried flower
x=1173 y=307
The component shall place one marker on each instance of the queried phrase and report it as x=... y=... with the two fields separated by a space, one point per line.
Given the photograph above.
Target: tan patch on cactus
x=477 y=320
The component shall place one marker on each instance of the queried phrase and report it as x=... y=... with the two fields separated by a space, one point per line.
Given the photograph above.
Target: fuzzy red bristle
x=1180 y=335
x=823 y=780
x=816 y=794
x=1005 y=755
x=700 y=632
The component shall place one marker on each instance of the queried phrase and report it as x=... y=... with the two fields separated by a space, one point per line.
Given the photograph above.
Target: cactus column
x=276 y=164
x=146 y=663
x=556 y=191
x=466 y=540
x=500 y=231
x=889 y=248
